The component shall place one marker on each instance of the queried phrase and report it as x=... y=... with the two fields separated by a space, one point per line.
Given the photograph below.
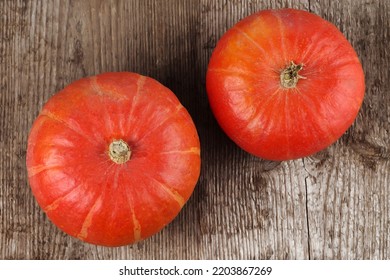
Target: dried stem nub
x=119 y=151
x=289 y=76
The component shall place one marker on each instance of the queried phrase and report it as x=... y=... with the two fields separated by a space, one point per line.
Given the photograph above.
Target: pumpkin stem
x=119 y=151
x=289 y=76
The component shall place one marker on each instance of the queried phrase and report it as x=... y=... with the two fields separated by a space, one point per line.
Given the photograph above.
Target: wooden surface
x=333 y=205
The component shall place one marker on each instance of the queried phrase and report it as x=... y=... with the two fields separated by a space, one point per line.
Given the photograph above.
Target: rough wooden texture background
x=333 y=205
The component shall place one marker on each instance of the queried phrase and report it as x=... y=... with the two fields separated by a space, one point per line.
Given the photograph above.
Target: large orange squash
x=284 y=84
x=113 y=158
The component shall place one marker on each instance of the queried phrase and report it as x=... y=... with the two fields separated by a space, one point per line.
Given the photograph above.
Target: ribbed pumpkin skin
x=81 y=189
x=256 y=111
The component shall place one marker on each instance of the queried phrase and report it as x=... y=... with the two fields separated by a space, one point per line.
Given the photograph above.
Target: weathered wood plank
x=329 y=206
x=349 y=210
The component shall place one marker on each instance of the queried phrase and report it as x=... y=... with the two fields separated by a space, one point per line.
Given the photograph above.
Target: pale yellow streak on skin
x=34 y=170
x=162 y=122
x=98 y=90
x=137 y=226
x=282 y=35
x=249 y=38
x=53 y=205
x=259 y=115
x=241 y=72
x=192 y=150
x=178 y=108
x=58 y=119
x=140 y=85
x=174 y=194
x=325 y=126
x=88 y=219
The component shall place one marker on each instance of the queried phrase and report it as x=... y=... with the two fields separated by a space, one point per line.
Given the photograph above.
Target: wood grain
x=333 y=205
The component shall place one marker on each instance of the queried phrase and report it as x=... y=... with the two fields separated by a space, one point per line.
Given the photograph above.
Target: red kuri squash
x=284 y=84
x=113 y=158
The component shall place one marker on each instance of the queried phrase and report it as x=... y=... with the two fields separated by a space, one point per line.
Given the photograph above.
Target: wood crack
x=307 y=210
x=307 y=218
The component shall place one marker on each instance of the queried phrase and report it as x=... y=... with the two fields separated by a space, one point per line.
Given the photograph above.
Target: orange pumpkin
x=284 y=84
x=113 y=158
